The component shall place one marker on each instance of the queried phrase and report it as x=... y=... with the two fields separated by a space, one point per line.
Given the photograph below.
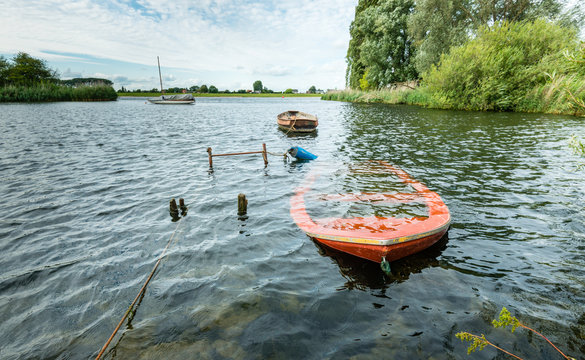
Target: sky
x=226 y=43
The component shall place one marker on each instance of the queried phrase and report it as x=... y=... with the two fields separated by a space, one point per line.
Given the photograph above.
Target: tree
x=26 y=70
x=4 y=66
x=87 y=82
x=437 y=25
x=213 y=89
x=203 y=89
x=355 y=67
x=288 y=91
x=383 y=51
x=258 y=85
x=194 y=88
x=312 y=90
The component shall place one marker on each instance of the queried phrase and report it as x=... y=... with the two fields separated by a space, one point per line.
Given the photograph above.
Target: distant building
x=295 y=91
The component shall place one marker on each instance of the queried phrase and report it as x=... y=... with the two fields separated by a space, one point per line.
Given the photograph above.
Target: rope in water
x=140 y=293
x=277 y=154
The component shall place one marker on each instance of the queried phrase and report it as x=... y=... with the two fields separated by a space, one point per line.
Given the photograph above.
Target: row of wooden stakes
x=174 y=209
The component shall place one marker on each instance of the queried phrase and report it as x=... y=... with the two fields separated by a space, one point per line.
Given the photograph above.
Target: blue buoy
x=301 y=154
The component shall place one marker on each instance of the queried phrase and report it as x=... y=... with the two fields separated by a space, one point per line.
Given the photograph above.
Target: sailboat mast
x=159 y=75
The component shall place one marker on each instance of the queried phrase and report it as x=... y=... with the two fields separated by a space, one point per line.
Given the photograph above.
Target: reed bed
x=562 y=95
x=53 y=92
x=386 y=96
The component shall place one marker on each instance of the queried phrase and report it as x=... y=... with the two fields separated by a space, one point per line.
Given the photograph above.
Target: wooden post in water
x=210 y=157
x=242 y=204
x=264 y=154
x=173 y=210
x=182 y=207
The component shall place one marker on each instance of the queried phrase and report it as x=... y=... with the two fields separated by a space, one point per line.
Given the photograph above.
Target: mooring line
x=140 y=293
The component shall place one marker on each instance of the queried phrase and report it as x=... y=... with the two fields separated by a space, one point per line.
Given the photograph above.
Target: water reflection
x=362 y=274
x=299 y=135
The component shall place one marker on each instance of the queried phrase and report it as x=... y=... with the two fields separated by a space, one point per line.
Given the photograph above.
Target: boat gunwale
x=439 y=214
x=381 y=242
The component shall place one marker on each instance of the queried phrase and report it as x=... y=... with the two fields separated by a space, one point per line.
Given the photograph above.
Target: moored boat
x=297 y=121
x=178 y=99
x=377 y=238
x=173 y=99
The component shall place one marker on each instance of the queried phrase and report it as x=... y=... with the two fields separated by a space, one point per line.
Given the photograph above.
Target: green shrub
x=501 y=68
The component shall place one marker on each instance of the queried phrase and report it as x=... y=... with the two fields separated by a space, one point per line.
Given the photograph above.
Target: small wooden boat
x=297 y=121
x=376 y=238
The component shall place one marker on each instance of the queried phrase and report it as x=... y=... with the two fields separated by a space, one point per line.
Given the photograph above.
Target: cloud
x=273 y=70
x=204 y=39
x=68 y=74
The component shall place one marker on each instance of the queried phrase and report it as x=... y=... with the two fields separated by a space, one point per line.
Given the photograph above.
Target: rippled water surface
x=85 y=191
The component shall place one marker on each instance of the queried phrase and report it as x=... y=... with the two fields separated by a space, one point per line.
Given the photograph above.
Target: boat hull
x=306 y=129
x=297 y=121
x=172 y=102
x=389 y=252
x=376 y=238
x=177 y=99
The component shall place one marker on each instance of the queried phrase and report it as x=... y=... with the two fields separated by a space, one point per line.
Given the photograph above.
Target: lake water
x=85 y=191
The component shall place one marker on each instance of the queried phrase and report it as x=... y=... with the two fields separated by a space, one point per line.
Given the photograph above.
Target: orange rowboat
x=376 y=238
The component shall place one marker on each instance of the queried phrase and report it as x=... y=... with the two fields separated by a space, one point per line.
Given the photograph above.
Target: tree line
x=204 y=89
x=472 y=54
x=24 y=69
x=26 y=79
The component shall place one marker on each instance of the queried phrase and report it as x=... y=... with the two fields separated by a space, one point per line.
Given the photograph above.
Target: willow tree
x=380 y=50
x=355 y=67
x=437 y=25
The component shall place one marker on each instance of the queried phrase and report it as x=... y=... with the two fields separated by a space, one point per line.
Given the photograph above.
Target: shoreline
x=147 y=95
x=419 y=97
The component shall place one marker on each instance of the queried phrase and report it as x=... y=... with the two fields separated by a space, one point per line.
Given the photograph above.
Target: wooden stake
x=242 y=204
x=173 y=210
x=182 y=207
x=210 y=157
x=264 y=154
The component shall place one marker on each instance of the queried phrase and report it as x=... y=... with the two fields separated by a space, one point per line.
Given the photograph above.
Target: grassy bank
x=419 y=96
x=553 y=98
x=52 y=92
x=221 y=95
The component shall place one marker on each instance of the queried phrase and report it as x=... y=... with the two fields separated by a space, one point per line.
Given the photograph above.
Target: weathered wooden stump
x=210 y=157
x=173 y=210
x=242 y=204
x=264 y=154
x=183 y=207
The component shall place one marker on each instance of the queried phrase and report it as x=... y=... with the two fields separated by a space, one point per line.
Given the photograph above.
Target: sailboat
x=180 y=99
